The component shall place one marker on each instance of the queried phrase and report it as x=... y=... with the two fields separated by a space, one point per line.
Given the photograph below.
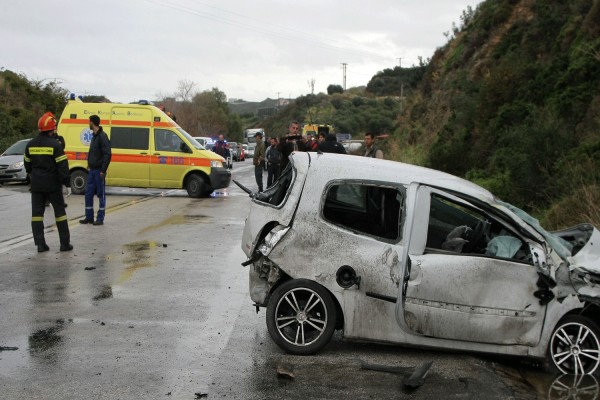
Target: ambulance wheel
x=78 y=181
x=301 y=317
x=197 y=187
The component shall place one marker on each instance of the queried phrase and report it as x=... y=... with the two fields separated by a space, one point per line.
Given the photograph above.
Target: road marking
x=27 y=239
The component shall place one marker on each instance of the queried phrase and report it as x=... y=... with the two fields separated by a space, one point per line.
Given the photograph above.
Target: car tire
x=197 y=187
x=573 y=346
x=301 y=317
x=78 y=181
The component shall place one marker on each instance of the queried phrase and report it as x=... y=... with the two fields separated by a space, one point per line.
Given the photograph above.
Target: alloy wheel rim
x=301 y=317
x=575 y=349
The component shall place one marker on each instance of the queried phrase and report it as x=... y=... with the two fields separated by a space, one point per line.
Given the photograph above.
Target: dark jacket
x=99 y=154
x=46 y=163
x=286 y=149
x=331 y=145
x=221 y=149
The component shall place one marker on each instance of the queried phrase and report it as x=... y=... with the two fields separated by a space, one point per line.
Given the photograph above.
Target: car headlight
x=272 y=239
x=17 y=165
x=216 y=164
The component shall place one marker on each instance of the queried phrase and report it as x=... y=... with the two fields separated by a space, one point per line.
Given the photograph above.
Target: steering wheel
x=475 y=237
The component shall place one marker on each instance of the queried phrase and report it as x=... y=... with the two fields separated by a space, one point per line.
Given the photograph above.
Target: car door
x=170 y=159
x=130 y=163
x=471 y=277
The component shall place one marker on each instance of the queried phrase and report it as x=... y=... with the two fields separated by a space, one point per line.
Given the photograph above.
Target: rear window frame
x=382 y=184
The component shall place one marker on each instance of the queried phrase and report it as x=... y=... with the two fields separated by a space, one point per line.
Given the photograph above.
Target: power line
x=267 y=32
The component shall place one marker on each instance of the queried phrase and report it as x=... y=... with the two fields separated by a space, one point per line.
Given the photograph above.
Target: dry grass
x=581 y=206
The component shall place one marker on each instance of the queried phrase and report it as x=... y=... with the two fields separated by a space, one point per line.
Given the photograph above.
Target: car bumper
x=13 y=175
x=220 y=178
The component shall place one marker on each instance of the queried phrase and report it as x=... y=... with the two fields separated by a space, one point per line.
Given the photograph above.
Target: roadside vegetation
x=511 y=102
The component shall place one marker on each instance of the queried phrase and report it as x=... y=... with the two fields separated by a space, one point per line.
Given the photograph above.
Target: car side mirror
x=184 y=148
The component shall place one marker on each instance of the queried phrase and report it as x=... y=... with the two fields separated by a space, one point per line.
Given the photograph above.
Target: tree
x=332 y=89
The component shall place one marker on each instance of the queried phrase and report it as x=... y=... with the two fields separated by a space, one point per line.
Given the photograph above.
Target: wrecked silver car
x=390 y=252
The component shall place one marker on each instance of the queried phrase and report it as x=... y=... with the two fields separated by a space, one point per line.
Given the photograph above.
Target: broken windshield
x=561 y=246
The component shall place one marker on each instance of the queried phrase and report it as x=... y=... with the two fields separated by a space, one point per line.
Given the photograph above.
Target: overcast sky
x=137 y=49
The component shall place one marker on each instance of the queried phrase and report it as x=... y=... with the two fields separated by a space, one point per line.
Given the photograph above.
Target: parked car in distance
x=204 y=141
x=12 y=165
x=233 y=148
x=250 y=152
x=395 y=253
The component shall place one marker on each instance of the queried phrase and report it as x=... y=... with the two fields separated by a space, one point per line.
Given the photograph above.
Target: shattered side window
x=457 y=228
x=275 y=194
x=368 y=209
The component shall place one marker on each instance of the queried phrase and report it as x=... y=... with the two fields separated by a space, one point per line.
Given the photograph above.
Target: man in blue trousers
x=98 y=161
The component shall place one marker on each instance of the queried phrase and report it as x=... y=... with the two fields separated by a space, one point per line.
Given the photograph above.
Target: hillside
x=22 y=102
x=512 y=102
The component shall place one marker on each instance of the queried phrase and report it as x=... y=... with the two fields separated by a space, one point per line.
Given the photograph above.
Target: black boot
x=66 y=247
x=42 y=248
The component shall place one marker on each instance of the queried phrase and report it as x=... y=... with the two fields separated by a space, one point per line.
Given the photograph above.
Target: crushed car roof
x=342 y=166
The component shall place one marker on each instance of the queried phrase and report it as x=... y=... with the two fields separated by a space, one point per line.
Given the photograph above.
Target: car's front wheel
x=574 y=347
x=197 y=187
x=301 y=317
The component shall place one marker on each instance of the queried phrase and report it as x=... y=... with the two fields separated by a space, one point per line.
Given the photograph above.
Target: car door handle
x=144 y=153
x=156 y=154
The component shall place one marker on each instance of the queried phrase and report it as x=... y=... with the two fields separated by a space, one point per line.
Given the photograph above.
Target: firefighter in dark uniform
x=48 y=167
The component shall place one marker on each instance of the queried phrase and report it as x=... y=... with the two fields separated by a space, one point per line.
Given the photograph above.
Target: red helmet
x=47 y=122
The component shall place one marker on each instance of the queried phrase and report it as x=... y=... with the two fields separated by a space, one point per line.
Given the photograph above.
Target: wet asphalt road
x=154 y=305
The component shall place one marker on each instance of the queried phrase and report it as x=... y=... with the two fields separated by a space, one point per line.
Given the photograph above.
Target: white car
x=250 y=151
x=395 y=253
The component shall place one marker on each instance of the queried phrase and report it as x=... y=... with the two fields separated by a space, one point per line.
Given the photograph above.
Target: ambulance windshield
x=192 y=141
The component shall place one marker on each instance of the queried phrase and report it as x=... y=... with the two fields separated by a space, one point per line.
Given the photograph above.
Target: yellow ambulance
x=149 y=150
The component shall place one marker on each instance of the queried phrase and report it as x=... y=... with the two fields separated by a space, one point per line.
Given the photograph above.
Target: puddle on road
x=138 y=255
x=179 y=219
x=533 y=383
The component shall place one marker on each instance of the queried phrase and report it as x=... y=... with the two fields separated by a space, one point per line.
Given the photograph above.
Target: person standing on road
x=259 y=161
x=273 y=156
x=222 y=149
x=67 y=187
x=99 y=156
x=370 y=149
x=48 y=167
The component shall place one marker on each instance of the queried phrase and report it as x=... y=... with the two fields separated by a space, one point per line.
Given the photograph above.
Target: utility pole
x=344 y=65
x=401 y=96
x=399 y=61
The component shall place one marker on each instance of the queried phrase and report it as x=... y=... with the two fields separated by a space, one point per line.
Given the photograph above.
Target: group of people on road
x=48 y=168
x=275 y=158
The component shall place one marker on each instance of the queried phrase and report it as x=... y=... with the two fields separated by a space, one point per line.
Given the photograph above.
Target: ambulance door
x=170 y=159
x=130 y=157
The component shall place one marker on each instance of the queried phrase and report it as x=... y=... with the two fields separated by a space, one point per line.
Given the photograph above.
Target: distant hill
x=252 y=107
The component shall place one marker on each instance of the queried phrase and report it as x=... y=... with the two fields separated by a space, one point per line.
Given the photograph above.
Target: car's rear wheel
x=301 y=317
x=197 y=187
x=574 y=347
x=78 y=181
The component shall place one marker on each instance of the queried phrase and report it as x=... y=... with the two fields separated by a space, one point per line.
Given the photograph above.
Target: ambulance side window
x=130 y=138
x=165 y=140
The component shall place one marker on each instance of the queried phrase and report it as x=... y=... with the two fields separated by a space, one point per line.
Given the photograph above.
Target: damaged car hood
x=588 y=256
